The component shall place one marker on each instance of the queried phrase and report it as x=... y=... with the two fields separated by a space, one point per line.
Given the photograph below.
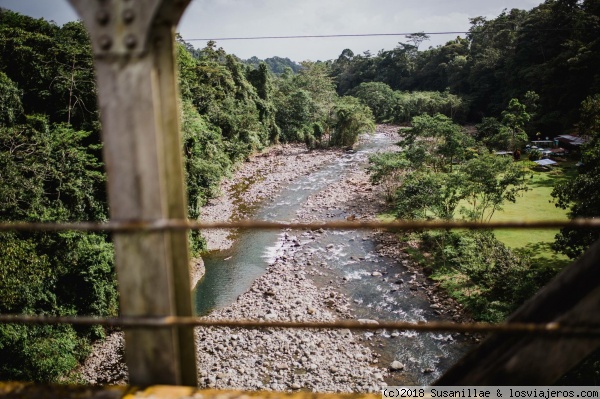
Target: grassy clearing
x=536 y=204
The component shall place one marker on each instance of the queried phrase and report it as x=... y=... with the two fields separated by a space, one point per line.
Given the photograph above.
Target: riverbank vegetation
x=445 y=173
x=518 y=81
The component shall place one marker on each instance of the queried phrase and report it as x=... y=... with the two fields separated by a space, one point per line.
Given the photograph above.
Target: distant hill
x=276 y=64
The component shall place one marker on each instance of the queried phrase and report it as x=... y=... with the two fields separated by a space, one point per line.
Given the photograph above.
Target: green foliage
x=580 y=194
x=221 y=90
x=308 y=109
x=10 y=101
x=52 y=66
x=276 y=65
x=425 y=195
x=350 y=119
x=50 y=171
x=500 y=59
x=514 y=119
x=510 y=133
x=489 y=182
x=483 y=183
x=380 y=98
x=535 y=155
x=388 y=169
x=483 y=274
x=315 y=80
x=384 y=164
x=391 y=106
x=294 y=115
x=436 y=141
x=49 y=175
x=434 y=177
x=206 y=163
x=39 y=353
x=488 y=128
x=418 y=103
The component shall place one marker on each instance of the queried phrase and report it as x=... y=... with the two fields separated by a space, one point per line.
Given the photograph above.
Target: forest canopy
x=552 y=50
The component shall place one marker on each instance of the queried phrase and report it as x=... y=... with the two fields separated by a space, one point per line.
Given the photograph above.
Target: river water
x=344 y=258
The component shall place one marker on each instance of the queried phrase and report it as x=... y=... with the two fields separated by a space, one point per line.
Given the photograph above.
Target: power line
x=323 y=36
x=372 y=34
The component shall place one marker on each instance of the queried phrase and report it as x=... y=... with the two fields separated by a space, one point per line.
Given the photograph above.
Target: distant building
x=570 y=142
x=543 y=143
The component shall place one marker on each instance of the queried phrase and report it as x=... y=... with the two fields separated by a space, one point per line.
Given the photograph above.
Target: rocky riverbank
x=291 y=359
x=259 y=179
x=256 y=180
x=277 y=359
x=355 y=198
x=285 y=359
x=324 y=361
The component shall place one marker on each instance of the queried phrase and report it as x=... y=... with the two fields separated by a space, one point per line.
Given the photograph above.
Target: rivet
x=105 y=42
x=128 y=16
x=130 y=42
x=102 y=17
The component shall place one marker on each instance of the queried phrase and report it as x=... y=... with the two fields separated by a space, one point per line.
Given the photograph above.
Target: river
x=377 y=285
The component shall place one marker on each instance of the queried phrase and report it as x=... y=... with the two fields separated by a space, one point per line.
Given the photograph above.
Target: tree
x=389 y=169
x=10 y=101
x=444 y=142
x=52 y=66
x=316 y=80
x=48 y=174
x=489 y=182
x=417 y=38
x=487 y=129
x=510 y=133
x=350 y=119
x=514 y=119
x=276 y=65
x=429 y=195
x=380 y=98
x=295 y=113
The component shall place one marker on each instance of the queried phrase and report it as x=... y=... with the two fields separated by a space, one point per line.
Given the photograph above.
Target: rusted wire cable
x=165 y=225
x=400 y=225
x=172 y=321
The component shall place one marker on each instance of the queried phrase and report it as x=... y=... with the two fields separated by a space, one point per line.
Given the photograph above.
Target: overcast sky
x=246 y=18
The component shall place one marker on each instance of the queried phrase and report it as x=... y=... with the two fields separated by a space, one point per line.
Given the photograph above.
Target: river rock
x=281 y=366
x=396 y=366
